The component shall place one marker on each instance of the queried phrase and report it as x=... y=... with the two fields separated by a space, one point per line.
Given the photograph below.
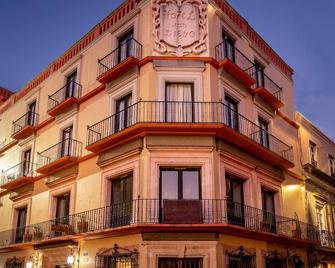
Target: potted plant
x=82 y=225
x=38 y=234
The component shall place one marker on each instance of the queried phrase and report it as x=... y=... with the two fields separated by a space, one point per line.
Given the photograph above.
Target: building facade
x=165 y=137
x=317 y=156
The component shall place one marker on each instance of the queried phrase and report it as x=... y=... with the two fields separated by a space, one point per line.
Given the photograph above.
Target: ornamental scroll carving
x=180 y=26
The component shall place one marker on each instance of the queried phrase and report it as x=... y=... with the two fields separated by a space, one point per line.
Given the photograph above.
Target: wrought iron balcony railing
x=70 y=90
x=65 y=148
x=262 y=80
x=225 y=51
x=23 y=169
x=28 y=119
x=187 y=112
x=130 y=48
x=327 y=238
x=149 y=211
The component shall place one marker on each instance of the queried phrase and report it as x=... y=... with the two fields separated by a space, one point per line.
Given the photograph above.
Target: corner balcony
x=119 y=61
x=154 y=215
x=189 y=118
x=25 y=126
x=327 y=239
x=64 y=98
x=235 y=63
x=268 y=90
x=59 y=156
x=18 y=175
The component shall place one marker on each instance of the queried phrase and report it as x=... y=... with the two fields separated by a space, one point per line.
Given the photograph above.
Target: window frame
x=313 y=157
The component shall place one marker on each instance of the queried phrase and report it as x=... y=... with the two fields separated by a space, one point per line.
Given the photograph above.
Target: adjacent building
x=165 y=137
x=318 y=161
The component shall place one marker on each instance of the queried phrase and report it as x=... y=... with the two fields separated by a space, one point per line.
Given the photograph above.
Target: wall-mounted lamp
x=29 y=264
x=70 y=259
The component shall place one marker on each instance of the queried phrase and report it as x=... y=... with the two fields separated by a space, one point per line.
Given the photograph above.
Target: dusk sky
x=35 y=32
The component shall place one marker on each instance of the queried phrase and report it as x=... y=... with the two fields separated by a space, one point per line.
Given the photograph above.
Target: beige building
x=318 y=160
x=165 y=137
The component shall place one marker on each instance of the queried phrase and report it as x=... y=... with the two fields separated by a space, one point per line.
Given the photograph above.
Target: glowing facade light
x=29 y=264
x=70 y=260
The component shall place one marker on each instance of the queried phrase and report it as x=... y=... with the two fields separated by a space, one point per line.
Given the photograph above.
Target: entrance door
x=121 y=201
x=180 y=263
x=235 y=202
x=125 y=46
x=31 y=118
x=231 y=113
x=269 y=217
x=70 y=85
x=179 y=98
x=66 y=142
x=122 y=115
x=21 y=224
x=26 y=165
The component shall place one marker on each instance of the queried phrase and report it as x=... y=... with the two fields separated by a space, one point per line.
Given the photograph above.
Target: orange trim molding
x=287 y=119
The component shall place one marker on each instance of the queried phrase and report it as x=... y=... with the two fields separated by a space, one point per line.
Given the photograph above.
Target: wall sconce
x=70 y=259
x=29 y=264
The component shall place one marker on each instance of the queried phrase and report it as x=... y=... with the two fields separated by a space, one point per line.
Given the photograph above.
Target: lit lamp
x=70 y=260
x=29 y=264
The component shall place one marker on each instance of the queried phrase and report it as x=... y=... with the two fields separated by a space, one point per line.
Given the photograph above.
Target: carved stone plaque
x=180 y=26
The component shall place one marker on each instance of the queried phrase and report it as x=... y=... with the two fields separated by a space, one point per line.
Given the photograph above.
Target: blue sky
x=33 y=33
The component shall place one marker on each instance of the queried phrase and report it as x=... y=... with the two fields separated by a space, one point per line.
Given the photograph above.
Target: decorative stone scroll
x=180 y=26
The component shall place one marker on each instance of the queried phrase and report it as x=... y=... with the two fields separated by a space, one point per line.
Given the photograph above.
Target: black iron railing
x=148 y=211
x=224 y=50
x=327 y=238
x=67 y=147
x=262 y=80
x=23 y=169
x=28 y=119
x=70 y=90
x=131 y=48
x=187 y=112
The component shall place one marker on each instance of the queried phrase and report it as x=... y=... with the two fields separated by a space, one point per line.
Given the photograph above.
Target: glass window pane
x=191 y=185
x=169 y=184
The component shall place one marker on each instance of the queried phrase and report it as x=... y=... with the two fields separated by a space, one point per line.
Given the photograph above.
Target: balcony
x=18 y=175
x=119 y=61
x=140 y=215
x=59 y=156
x=189 y=118
x=64 y=98
x=327 y=239
x=267 y=90
x=25 y=126
x=235 y=63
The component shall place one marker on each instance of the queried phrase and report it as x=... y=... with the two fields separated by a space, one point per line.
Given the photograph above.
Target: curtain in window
x=179 y=103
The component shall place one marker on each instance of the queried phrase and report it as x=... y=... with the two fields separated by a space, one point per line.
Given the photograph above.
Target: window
x=117 y=258
x=228 y=47
x=275 y=260
x=123 y=113
x=63 y=209
x=180 y=184
x=21 y=224
x=71 y=85
x=125 y=46
x=269 y=217
x=241 y=258
x=14 y=263
x=313 y=153
x=31 y=119
x=26 y=163
x=235 y=200
x=179 y=262
x=331 y=161
x=179 y=99
x=264 y=134
x=259 y=74
x=121 y=201
x=66 y=142
x=231 y=113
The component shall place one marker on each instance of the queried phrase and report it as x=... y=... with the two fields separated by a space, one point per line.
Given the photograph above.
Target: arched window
x=14 y=263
